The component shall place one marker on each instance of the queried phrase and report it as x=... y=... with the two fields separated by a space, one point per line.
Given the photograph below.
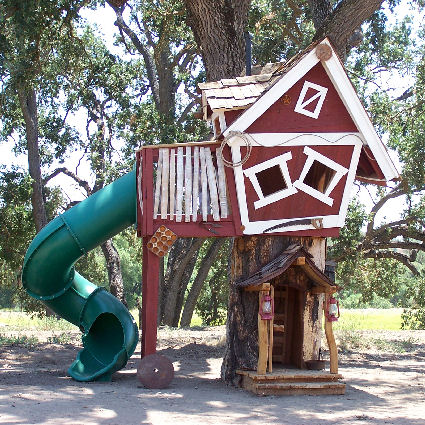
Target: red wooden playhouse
x=288 y=144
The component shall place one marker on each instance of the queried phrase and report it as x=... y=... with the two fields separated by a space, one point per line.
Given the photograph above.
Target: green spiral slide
x=109 y=331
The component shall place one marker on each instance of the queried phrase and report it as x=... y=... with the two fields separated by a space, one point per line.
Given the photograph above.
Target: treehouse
x=289 y=141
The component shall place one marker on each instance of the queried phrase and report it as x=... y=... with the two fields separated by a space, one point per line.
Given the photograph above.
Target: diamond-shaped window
x=311 y=100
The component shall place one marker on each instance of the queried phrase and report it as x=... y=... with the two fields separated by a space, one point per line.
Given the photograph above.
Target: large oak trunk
x=249 y=254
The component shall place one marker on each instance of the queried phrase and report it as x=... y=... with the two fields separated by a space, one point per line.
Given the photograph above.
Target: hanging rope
x=246 y=138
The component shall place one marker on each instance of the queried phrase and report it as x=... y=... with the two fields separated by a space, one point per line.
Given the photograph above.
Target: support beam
x=150 y=282
x=330 y=338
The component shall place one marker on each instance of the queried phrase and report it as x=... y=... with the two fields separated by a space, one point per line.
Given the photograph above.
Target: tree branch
x=147 y=57
x=344 y=20
x=83 y=183
x=395 y=256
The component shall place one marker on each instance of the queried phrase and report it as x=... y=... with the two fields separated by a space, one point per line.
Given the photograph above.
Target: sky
x=104 y=18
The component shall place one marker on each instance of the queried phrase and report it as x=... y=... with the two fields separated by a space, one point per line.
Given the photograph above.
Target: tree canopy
x=55 y=69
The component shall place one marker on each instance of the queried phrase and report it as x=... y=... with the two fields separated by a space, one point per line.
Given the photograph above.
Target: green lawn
x=367 y=319
x=370 y=319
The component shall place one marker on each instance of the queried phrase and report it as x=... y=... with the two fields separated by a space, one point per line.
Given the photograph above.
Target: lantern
x=266 y=307
x=332 y=309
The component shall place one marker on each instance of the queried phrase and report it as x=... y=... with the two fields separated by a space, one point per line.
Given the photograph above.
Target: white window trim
x=302 y=103
x=340 y=171
x=251 y=173
x=330 y=221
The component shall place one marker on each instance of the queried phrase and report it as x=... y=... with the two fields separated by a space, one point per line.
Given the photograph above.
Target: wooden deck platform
x=292 y=382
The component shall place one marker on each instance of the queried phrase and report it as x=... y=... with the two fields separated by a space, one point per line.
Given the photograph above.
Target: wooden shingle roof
x=281 y=263
x=242 y=92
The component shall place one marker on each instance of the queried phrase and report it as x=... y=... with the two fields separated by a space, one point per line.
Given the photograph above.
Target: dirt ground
x=386 y=387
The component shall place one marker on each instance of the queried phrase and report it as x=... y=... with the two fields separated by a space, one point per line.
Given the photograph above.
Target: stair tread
x=290 y=385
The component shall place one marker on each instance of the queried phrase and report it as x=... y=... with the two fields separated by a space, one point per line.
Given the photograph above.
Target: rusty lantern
x=332 y=309
x=266 y=307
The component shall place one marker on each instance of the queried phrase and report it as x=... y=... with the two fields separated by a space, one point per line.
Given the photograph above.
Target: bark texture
x=340 y=24
x=218 y=27
x=28 y=104
x=199 y=281
x=180 y=265
x=248 y=255
x=113 y=265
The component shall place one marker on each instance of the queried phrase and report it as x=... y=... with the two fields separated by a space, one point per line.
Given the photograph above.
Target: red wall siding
x=281 y=117
x=301 y=204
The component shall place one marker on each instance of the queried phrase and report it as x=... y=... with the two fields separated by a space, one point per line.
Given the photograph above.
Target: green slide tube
x=110 y=333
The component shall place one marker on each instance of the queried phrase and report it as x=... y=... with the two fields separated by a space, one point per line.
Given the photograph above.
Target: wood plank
x=188 y=184
x=157 y=186
x=172 y=182
x=212 y=185
x=150 y=284
x=280 y=374
x=195 y=183
x=222 y=192
x=164 y=183
x=140 y=188
x=204 y=184
x=330 y=338
x=270 y=326
x=180 y=177
x=164 y=145
x=256 y=288
x=262 y=339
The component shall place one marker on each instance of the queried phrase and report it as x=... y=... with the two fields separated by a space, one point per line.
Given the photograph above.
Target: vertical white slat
x=212 y=185
x=224 y=210
x=188 y=184
x=180 y=177
x=157 y=185
x=172 y=182
x=195 y=183
x=204 y=184
x=164 y=183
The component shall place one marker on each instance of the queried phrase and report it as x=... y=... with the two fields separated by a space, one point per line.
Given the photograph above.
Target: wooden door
x=288 y=329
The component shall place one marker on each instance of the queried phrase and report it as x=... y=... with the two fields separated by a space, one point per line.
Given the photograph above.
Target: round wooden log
x=323 y=52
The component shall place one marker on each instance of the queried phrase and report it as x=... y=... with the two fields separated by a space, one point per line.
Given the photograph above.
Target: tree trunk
x=181 y=253
x=113 y=265
x=28 y=104
x=184 y=282
x=249 y=254
x=199 y=281
x=218 y=27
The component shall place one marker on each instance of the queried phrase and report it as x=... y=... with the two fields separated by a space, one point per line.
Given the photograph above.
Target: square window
x=271 y=180
x=319 y=176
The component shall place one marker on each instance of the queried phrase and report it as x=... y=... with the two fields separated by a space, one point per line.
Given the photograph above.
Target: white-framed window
x=319 y=94
x=271 y=180
x=319 y=176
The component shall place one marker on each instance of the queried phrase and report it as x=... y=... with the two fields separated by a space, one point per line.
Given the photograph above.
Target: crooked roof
x=281 y=263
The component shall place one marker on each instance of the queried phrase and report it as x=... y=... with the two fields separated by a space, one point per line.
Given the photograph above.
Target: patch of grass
x=16 y=321
x=63 y=338
x=22 y=340
x=370 y=319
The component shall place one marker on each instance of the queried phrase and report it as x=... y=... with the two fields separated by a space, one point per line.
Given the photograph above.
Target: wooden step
x=294 y=388
x=291 y=375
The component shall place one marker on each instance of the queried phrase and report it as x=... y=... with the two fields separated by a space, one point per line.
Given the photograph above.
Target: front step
x=290 y=382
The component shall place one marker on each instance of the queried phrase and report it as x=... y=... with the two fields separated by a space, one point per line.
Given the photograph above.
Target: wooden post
x=263 y=339
x=271 y=322
x=150 y=281
x=330 y=338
